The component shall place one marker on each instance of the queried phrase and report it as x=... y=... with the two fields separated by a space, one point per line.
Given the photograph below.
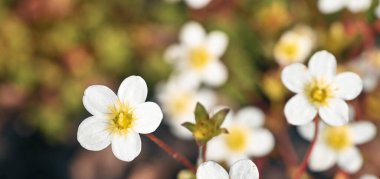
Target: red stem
x=303 y=165
x=177 y=156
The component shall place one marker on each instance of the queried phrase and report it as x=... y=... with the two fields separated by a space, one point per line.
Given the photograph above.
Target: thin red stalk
x=203 y=149
x=177 y=156
x=303 y=165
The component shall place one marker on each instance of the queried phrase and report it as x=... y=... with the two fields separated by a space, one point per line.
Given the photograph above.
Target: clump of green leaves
x=206 y=127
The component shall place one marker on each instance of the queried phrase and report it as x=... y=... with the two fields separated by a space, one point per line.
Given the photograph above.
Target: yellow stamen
x=290 y=50
x=237 y=139
x=199 y=57
x=180 y=104
x=319 y=92
x=337 y=138
x=122 y=119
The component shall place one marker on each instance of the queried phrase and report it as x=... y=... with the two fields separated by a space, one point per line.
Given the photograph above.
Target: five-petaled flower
x=118 y=119
x=338 y=145
x=319 y=90
x=242 y=169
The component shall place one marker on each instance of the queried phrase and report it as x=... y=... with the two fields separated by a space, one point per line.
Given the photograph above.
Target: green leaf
x=200 y=112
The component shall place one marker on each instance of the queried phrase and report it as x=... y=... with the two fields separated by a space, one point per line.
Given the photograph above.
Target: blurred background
x=52 y=50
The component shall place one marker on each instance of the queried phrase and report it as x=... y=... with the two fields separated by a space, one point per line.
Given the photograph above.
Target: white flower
x=294 y=46
x=246 y=137
x=319 y=90
x=178 y=100
x=368 y=176
x=377 y=11
x=242 y=169
x=331 y=6
x=194 y=4
x=198 y=54
x=118 y=120
x=338 y=145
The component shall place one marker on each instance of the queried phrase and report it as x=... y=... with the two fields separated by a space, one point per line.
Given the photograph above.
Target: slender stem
x=303 y=165
x=202 y=152
x=177 y=156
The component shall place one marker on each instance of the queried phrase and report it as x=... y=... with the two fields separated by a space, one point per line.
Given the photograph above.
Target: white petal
x=377 y=11
x=126 y=147
x=98 y=100
x=244 y=169
x=336 y=113
x=197 y=4
x=295 y=77
x=93 y=134
x=362 y=132
x=299 y=111
x=261 y=142
x=358 y=6
x=211 y=170
x=350 y=160
x=322 y=65
x=368 y=176
x=215 y=74
x=348 y=85
x=217 y=149
x=148 y=117
x=330 y=6
x=307 y=131
x=192 y=34
x=133 y=91
x=173 y=53
x=206 y=97
x=251 y=116
x=321 y=158
x=217 y=43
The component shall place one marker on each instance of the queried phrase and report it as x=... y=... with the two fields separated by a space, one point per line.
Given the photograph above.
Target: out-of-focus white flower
x=194 y=4
x=319 y=90
x=242 y=169
x=331 y=6
x=198 y=54
x=246 y=137
x=178 y=100
x=294 y=46
x=118 y=120
x=377 y=11
x=368 y=67
x=338 y=145
x=368 y=176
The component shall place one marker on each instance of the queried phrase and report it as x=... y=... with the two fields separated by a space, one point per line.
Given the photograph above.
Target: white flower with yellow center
x=178 y=100
x=118 y=120
x=294 y=46
x=246 y=137
x=319 y=90
x=198 y=54
x=338 y=145
x=332 y=6
x=242 y=169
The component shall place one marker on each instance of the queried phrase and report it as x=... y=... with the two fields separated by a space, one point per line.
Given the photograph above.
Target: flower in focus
x=338 y=145
x=319 y=90
x=118 y=120
x=198 y=55
x=242 y=169
x=246 y=137
x=294 y=46
x=178 y=100
x=329 y=6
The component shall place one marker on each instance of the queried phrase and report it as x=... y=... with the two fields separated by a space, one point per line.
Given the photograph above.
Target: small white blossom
x=118 y=120
x=246 y=137
x=319 y=90
x=294 y=46
x=178 y=99
x=194 y=4
x=331 y=6
x=338 y=145
x=242 y=169
x=368 y=176
x=198 y=55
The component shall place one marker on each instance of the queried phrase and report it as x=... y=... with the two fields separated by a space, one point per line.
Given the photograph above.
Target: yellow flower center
x=122 y=119
x=318 y=92
x=199 y=57
x=237 y=139
x=180 y=104
x=289 y=50
x=337 y=138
